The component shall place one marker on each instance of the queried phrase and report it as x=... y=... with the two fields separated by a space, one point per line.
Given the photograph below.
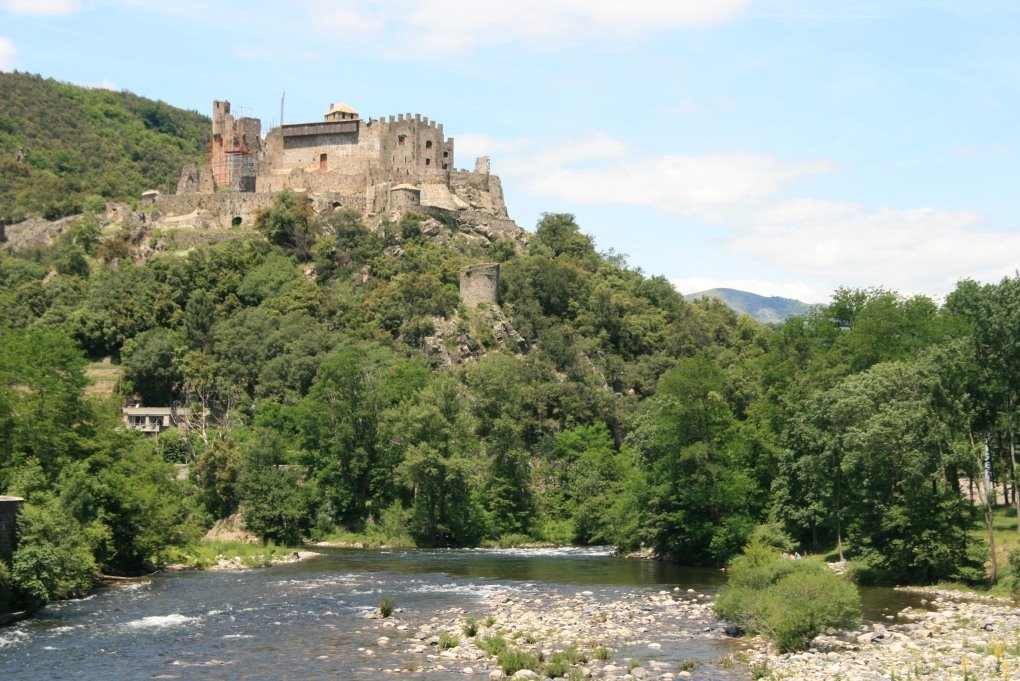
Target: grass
x=205 y=554
x=386 y=605
x=493 y=644
x=513 y=660
x=370 y=539
x=448 y=640
x=470 y=627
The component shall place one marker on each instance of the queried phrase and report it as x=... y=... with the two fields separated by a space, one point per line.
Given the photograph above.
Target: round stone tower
x=480 y=284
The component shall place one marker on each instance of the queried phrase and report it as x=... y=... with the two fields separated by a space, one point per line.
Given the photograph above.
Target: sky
x=784 y=147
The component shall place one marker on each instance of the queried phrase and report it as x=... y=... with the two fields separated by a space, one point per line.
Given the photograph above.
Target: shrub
x=448 y=640
x=470 y=627
x=493 y=645
x=1014 y=572
x=386 y=605
x=513 y=660
x=555 y=670
x=602 y=653
x=789 y=601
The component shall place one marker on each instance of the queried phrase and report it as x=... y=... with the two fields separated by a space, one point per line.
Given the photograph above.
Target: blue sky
x=781 y=146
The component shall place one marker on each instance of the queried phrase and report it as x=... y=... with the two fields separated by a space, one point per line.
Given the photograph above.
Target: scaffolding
x=240 y=176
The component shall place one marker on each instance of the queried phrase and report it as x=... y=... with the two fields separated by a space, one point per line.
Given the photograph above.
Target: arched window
x=236 y=221
x=428 y=145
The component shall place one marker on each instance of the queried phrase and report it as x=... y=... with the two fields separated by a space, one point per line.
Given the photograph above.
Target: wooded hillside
x=79 y=142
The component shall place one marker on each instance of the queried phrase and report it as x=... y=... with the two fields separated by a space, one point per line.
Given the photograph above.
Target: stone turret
x=480 y=284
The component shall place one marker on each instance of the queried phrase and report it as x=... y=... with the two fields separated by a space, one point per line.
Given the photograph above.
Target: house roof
x=342 y=107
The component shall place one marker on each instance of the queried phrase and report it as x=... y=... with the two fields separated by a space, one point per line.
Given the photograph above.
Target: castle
x=375 y=166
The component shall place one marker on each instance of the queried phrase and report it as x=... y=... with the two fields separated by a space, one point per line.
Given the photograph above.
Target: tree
x=338 y=424
x=289 y=222
x=699 y=509
x=440 y=466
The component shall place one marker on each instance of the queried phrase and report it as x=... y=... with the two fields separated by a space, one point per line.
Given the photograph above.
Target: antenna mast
x=281 y=108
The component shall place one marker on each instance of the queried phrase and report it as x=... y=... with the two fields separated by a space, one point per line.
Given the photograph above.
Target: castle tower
x=480 y=284
x=342 y=112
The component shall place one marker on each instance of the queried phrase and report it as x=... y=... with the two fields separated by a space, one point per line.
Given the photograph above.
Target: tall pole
x=281 y=108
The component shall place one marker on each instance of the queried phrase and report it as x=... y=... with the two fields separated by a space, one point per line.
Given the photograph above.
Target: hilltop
x=763 y=309
x=62 y=143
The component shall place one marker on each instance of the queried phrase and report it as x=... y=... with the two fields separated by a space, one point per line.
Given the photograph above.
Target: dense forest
x=635 y=418
x=62 y=146
x=869 y=428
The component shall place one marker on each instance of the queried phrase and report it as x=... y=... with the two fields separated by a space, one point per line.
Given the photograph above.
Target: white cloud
x=603 y=170
x=805 y=246
x=454 y=26
x=796 y=290
x=44 y=7
x=921 y=250
x=107 y=84
x=7 y=53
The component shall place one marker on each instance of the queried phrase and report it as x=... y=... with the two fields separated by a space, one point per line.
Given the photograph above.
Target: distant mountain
x=763 y=309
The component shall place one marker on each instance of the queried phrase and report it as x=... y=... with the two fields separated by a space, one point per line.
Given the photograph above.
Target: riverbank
x=962 y=636
x=556 y=635
x=235 y=555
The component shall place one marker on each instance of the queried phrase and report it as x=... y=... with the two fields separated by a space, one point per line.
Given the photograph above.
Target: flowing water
x=306 y=620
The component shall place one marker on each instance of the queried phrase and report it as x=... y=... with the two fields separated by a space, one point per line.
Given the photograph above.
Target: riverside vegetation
x=635 y=418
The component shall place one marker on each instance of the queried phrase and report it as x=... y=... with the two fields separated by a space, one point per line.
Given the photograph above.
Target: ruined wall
x=231 y=135
x=8 y=525
x=479 y=284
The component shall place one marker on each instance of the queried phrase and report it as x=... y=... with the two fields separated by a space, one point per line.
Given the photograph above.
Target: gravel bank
x=961 y=637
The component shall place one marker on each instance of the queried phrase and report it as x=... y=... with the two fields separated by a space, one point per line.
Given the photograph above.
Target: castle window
x=446 y=166
x=446 y=154
x=401 y=139
x=428 y=145
x=236 y=221
x=428 y=161
x=323 y=162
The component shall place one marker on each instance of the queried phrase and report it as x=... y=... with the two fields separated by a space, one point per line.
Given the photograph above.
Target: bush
x=1014 y=572
x=470 y=627
x=556 y=670
x=513 y=660
x=448 y=640
x=788 y=601
x=493 y=645
x=386 y=605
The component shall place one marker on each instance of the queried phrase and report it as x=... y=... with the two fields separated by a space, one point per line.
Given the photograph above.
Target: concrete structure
x=154 y=420
x=8 y=525
x=479 y=284
x=374 y=166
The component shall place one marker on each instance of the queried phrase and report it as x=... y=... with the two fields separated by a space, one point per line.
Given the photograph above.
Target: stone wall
x=8 y=525
x=479 y=284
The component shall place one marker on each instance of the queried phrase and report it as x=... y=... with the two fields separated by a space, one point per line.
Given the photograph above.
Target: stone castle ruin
x=376 y=166
x=480 y=284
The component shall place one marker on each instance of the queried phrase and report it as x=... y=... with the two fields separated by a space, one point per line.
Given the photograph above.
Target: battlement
x=346 y=155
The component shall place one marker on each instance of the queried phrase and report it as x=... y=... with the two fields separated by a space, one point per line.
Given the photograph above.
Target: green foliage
x=289 y=222
x=512 y=660
x=789 y=601
x=470 y=627
x=494 y=644
x=1014 y=572
x=274 y=503
x=387 y=605
x=85 y=146
x=448 y=640
x=53 y=559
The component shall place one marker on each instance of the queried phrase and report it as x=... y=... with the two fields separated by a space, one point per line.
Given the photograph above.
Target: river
x=306 y=620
